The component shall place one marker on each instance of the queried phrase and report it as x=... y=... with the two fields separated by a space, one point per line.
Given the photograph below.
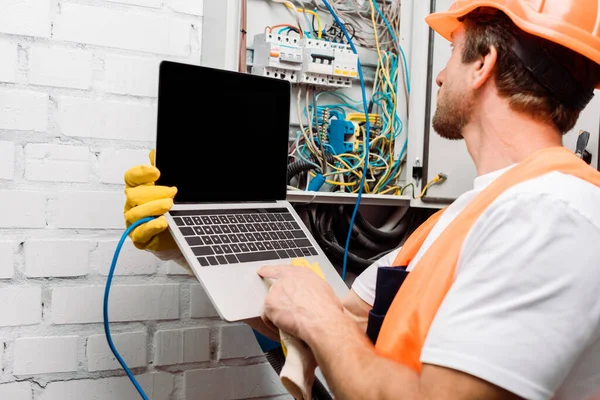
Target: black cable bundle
x=276 y=358
x=330 y=224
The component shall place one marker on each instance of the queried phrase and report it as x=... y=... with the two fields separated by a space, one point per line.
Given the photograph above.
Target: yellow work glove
x=145 y=199
x=298 y=372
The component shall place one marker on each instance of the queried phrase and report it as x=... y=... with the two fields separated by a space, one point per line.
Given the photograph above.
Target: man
x=501 y=298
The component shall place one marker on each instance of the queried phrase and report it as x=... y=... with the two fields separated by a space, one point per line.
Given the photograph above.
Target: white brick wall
x=8 y=55
x=60 y=67
x=43 y=355
x=23 y=110
x=7 y=160
x=131 y=346
x=7 y=260
x=16 y=391
x=78 y=98
x=20 y=306
x=22 y=209
x=46 y=258
x=57 y=163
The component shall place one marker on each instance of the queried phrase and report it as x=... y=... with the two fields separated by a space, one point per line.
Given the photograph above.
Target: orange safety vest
x=406 y=323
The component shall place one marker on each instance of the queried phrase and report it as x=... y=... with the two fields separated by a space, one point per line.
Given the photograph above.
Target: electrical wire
x=105 y=306
x=367 y=135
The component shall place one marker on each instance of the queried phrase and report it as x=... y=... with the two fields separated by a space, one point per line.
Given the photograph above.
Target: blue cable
x=367 y=136
x=106 y=295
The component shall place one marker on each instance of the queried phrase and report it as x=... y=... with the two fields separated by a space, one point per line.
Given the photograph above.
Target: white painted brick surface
x=16 y=391
x=131 y=346
x=232 y=383
x=174 y=268
x=20 y=306
x=101 y=119
x=22 y=209
x=7 y=160
x=45 y=355
x=8 y=55
x=201 y=306
x=131 y=260
x=7 y=260
x=57 y=163
x=23 y=110
x=114 y=163
x=60 y=67
x=56 y=258
x=26 y=17
x=78 y=88
x=89 y=210
x=195 y=7
x=158 y=386
x=80 y=305
x=238 y=341
x=130 y=75
x=123 y=29
x=181 y=346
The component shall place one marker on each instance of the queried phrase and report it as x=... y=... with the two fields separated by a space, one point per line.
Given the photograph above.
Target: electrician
x=496 y=296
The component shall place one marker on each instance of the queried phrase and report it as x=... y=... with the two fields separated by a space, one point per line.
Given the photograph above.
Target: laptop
x=222 y=140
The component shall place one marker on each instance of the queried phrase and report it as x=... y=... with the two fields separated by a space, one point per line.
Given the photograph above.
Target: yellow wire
x=334 y=182
x=437 y=179
x=393 y=188
x=319 y=33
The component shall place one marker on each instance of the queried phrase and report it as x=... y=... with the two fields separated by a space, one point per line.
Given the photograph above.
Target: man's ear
x=484 y=68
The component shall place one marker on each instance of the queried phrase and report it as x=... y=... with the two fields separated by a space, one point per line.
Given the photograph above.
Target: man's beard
x=453 y=113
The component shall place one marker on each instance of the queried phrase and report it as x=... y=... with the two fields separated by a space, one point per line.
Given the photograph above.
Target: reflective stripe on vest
x=414 y=307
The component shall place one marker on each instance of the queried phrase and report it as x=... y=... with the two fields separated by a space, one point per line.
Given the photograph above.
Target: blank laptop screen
x=222 y=136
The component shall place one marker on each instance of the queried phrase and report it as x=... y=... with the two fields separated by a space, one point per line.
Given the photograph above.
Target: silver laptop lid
x=222 y=136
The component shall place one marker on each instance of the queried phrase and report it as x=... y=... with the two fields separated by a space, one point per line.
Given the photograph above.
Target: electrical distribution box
x=308 y=61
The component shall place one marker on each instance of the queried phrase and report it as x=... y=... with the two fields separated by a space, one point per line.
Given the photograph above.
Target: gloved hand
x=298 y=372
x=145 y=199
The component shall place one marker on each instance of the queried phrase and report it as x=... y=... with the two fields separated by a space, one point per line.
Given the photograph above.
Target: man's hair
x=495 y=29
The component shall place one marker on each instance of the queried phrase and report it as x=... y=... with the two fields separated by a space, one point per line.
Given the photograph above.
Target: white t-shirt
x=524 y=310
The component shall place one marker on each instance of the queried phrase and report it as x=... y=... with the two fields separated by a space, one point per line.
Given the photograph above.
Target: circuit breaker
x=277 y=56
x=306 y=61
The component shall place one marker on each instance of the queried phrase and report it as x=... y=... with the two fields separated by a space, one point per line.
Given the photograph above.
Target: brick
x=8 y=55
x=26 y=17
x=174 y=268
x=126 y=29
x=237 y=341
x=20 y=306
x=194 y=7
x=142 y=3
x=7 y=260
x=181 y=346
x=129 y=75
x=7 y=160
x=131 y=260
x=89 y=210
x=60 y=67
x=158 y=386
x=23 y=110
x=131 y=346
x=16 y=391
x=201 y=306
x=113 y=163
x=232 y=383
x=101 y=119
x=56 y=258
x=22 y=209
x=45 y=355
x=57 y=163
x=81 y=305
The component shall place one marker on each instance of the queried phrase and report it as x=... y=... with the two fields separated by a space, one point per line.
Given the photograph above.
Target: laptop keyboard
x=220 y=237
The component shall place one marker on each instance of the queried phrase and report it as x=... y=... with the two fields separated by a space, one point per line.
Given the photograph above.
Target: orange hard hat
x=574 y=24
